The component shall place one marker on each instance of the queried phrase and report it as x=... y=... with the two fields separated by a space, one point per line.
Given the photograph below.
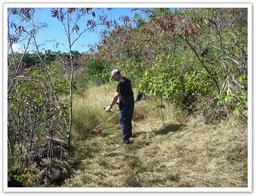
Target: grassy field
x=169 y=149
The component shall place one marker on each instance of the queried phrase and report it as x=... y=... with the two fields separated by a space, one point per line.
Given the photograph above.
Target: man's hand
x=108 y=109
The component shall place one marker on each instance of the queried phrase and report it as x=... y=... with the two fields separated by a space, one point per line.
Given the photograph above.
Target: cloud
x=17 y=48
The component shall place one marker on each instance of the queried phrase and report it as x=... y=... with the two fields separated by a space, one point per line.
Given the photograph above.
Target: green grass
x=169 y=150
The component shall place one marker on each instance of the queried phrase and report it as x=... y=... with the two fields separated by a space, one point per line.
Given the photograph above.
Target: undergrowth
x=168 y=150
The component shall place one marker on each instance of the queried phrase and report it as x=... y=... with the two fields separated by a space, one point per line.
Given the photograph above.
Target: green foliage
x=85 y=119
x=237 y=100
x=131 y=69
x=32 y=111
x=96 y=71
x=17 y=173
x=139 y=21
x=30 y=60
x=60 y=79
x=27 y=112
x=172 y=80
x=61 y=86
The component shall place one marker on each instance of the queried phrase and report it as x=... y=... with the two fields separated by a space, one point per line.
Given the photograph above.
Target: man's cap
x=115 y=71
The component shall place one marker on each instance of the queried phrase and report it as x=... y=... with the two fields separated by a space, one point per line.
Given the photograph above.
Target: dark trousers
x=125 y=120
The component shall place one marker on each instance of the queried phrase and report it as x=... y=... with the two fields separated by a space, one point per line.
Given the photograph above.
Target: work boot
x=126 y=142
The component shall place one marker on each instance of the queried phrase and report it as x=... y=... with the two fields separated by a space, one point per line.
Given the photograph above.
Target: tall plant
x=31 y=95
x=71 y=19
x=218 y=41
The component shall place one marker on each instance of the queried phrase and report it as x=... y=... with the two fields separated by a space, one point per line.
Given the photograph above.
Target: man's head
x=116 y=75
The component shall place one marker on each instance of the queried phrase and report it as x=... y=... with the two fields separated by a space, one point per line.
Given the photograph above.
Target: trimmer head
x=97 y=131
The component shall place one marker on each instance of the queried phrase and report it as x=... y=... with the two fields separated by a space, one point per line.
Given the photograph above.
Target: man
x=126 y=104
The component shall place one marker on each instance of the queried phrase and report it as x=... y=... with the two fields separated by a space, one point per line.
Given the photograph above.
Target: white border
x=132 y=3
x=136 y=4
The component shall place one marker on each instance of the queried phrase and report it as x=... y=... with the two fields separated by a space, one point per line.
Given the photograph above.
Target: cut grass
x=167 y=151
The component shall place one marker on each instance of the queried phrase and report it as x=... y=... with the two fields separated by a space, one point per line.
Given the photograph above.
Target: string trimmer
x=97 y=131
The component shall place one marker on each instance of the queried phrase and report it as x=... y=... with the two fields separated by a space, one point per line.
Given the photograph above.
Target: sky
x=47 y=38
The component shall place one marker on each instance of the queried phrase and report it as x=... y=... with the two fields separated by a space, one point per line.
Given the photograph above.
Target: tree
x=33 y=105
x=70 y=19
x=207 y=47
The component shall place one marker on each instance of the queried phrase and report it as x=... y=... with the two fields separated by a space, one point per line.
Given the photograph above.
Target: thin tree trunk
x=204 y=66
x=70 y=100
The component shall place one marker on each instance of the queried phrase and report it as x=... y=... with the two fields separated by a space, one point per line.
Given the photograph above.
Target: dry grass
x=168 y=150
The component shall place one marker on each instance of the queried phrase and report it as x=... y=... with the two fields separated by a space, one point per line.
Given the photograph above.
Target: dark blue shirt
x=126 y=98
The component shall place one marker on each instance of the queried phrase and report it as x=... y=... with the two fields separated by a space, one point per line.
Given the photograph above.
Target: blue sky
x=54 y=33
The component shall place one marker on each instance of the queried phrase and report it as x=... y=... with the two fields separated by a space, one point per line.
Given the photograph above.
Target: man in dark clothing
x=126 y=104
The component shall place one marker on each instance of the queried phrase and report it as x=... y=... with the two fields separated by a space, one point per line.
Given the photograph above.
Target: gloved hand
x=108 y=109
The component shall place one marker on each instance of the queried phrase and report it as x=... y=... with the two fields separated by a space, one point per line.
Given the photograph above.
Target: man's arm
x=114 y=100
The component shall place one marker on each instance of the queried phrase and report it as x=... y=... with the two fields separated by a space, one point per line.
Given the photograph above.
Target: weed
x=167 y=150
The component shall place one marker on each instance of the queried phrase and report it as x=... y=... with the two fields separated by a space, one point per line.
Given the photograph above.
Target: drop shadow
x=169 y=128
